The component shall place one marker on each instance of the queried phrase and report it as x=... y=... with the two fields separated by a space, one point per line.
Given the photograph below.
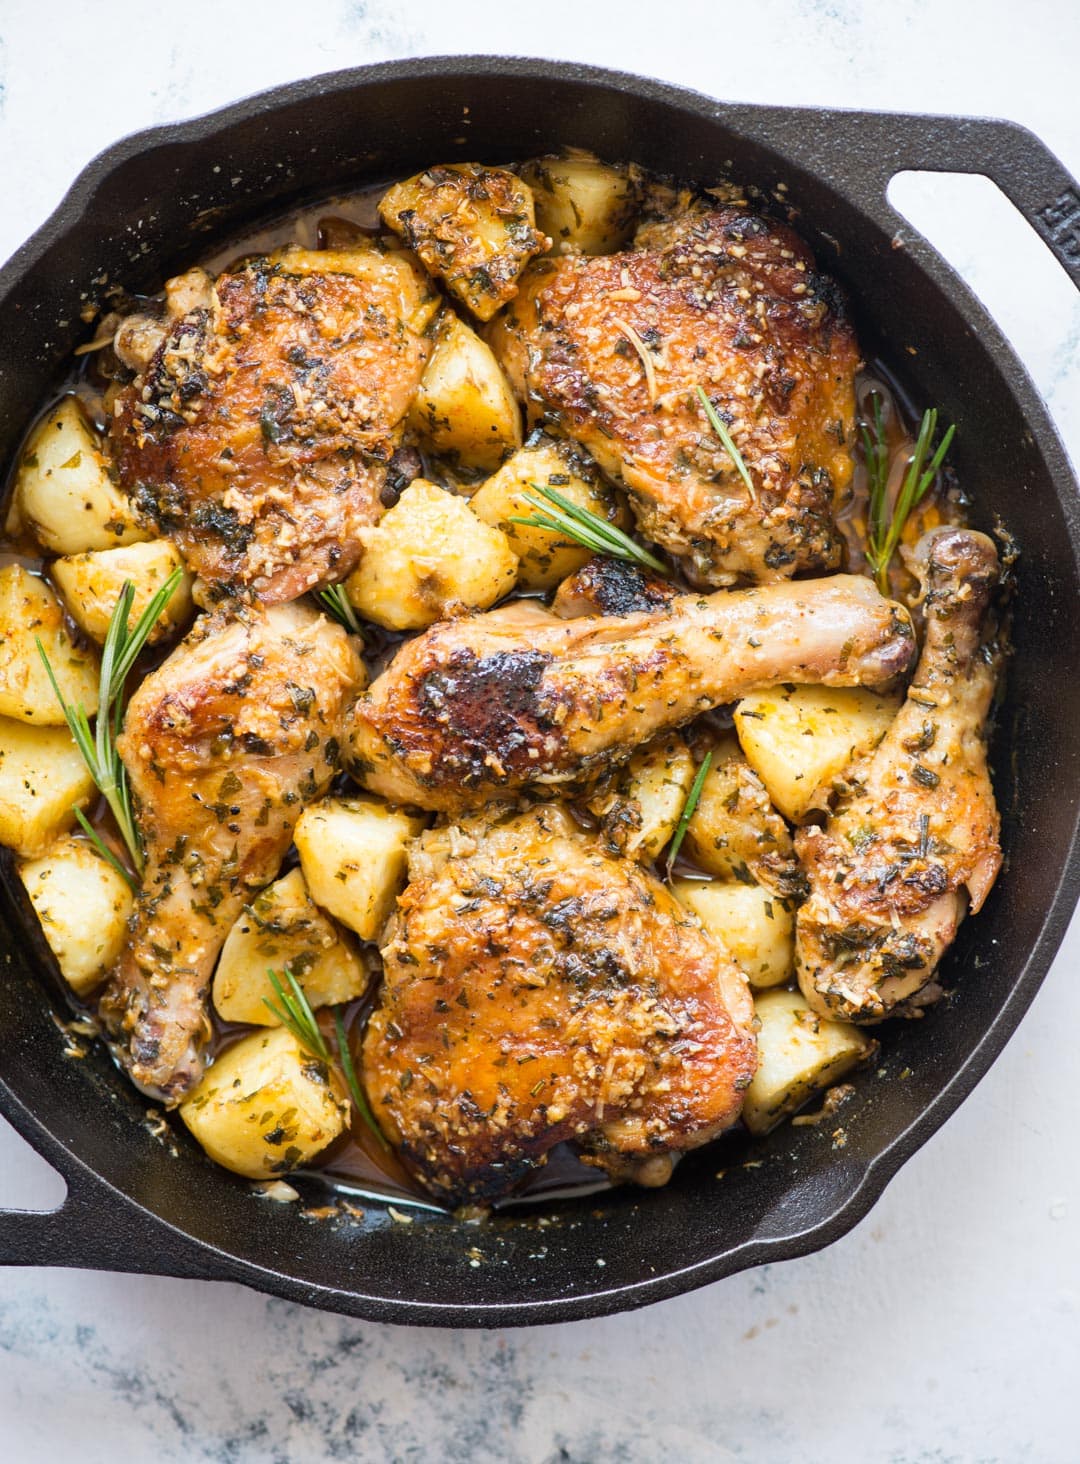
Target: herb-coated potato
x=473 y=227
x=83 y=905
x=734 y=832
x=587 y=206
x=266 y=1106
x=91 y=584
x=352 y=852
x=42 y=775
x=641 y=810
x=63 y=490
x=799 y=738
x=798 y=1054
x=29 y=612
x=428 y=558
x=754 y=924
x=284 y=930
x=464 y=408
x=544 y=558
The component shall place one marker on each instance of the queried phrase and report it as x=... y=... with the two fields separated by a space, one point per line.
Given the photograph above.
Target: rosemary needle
x=885 y=527
x=335 y=601
x=122 y=648
x=561 y=515
x=360 y=1103
x=692 y=799
x=717 y=425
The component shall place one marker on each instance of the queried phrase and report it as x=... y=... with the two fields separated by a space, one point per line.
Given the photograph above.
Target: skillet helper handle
x=96 y=1229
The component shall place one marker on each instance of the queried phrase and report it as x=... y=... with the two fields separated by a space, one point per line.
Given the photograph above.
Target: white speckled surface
x=946 y=1327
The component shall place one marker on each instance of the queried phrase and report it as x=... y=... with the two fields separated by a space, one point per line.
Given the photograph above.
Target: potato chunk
x=640 y=810
x=266 y=1106
x=91 y=585
x=798 y=1053
x=735 y=833
x=588 y=207
x=430 y=557
x=352 y=852
x=42 y=776
x=464 y=408
x=754 y=924
x=473 y=227
x=284 y=930
x=799 y=738
x=29 y=611
x=63 y=490
x=83 y=906
x=544 y=558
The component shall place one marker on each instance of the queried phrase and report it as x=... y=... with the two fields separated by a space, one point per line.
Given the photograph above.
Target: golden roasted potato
x=83 y=905
x=266 y=1106
x=799 y=738
x=63 y=490
x=755 y=925
x=42 y=776
x=91 y=584
x=464 y=408
x=284 y=930
x=29 y=611
x=428 y=558
x=544 y=558
x=472 y=226
x=640 y=810
x=352 y=852
x=735 y=832
x=798 y=1054
x=588 y=207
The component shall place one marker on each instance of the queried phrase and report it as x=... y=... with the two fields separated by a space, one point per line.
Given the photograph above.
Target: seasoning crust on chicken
x=260 y=433
x=894 y=870
x=538 y=989
x=611 y=349
x=224 y=744
x=518 y=698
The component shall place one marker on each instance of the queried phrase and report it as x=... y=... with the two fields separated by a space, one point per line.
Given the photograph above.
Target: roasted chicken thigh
x=260 y=433
x=223 y=744
x=538 y=989
x=917 y=843
x=484 y=706
x=612 y=349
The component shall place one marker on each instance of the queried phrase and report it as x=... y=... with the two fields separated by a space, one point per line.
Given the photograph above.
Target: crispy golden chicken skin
x=896 y=867
x=223 y=744
x=259 y=435
x=611 y=349
x=473 y=227
x=481 y=707
x=539 y=990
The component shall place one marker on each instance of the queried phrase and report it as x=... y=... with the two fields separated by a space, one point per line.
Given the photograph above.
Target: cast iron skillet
x=157 y=202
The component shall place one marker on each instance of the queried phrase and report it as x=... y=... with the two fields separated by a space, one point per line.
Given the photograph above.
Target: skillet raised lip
x=100 y=1226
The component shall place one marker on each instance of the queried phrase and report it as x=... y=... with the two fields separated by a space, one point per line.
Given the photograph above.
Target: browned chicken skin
x=260 y=433
x=893 y=871
x=487 y=705
x=537 y=990
x=612 y=348
x=224 y=744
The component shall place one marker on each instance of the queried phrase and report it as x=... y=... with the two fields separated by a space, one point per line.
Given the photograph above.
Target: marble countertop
x=946 y=1326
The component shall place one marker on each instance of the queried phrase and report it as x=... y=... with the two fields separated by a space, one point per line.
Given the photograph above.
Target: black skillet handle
x=862 y=151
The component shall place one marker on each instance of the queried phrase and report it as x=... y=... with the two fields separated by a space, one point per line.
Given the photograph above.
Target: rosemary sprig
x=360 y=1102
x=103 y=849
x=717 y=425
x=561 y=515
x=692 y=800
x=123 y=645
x=293 y=1010
x=885 y=527
x=336 y=603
